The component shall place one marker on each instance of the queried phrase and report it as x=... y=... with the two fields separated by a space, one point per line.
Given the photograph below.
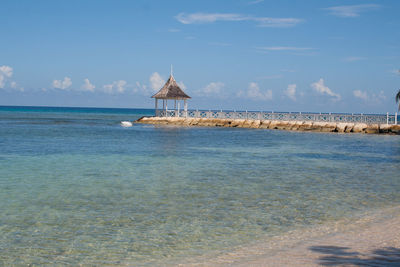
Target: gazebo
x=170 y=91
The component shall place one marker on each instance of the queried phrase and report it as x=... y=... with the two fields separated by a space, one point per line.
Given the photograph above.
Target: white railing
x=283 y=116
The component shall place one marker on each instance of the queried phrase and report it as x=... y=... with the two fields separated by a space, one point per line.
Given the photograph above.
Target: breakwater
x=340 y=127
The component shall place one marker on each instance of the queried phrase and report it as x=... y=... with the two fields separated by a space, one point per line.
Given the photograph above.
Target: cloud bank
x=5 y=72
x=253 y=92
x=156 y=81
x=202 y=18
x=64 y=84
x=351 y=11
x=87 y=86
x=115 y=87
x=372 y=98
x=213 y=88
x=291 y=91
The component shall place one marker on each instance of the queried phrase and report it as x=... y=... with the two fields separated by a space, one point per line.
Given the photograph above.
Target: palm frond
x=398 y=97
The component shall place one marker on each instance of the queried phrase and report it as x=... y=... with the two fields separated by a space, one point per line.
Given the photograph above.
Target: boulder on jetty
x=395 y=129
x=349 y=127
x=372 y=129
x=340 y=127
x=306 y=126
x=264 y=124
x=359 y=127
x=273 y=124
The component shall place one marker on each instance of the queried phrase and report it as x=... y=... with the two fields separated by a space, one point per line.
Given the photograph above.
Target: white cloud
x=351 y=11
x=352 y=59
x=291 y=91
x=277 y=22
x=198 y=18
x=360 y=94
x=321 y=88
x=284 y=48
x=65 y=84
x=213 y=88
x=254 y=92
x=371 y=98
x=142 y=88
x=115 y=87
x=156 y=81
x=5 y=72
x=255 y=2
x=87 y=86
x=201 y=18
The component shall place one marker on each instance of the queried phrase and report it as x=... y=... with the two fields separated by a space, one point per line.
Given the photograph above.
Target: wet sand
x=370 y=240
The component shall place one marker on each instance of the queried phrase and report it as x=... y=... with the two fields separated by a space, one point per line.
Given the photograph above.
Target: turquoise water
x=77 y=188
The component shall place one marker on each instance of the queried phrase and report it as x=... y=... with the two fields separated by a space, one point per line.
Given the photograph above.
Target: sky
x=287 y=55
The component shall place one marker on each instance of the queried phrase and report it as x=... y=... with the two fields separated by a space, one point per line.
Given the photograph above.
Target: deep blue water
x=77 y=188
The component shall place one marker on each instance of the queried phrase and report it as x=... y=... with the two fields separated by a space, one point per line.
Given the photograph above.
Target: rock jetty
x=339 y=127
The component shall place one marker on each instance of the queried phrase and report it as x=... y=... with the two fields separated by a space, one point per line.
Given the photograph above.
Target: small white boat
x=126 y=124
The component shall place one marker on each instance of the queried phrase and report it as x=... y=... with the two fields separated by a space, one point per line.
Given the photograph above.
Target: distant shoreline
x=305 y=126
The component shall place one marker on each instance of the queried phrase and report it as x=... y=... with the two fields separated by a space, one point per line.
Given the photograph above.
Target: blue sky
x=327 y=56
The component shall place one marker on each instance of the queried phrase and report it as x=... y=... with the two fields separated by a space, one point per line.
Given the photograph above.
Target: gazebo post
x=185 y=107
x=175 y=107
x=156 y=105
x=179 y=106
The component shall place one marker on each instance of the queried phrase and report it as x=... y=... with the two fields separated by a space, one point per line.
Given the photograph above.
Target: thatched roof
x=171 y=90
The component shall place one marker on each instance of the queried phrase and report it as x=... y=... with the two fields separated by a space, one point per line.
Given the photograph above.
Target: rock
x=349 y=127
x=195 y=121
x=329 y=127
x=246 y=124
x=372 y=129
x=291 y=125
x=341 y=127
x=264 y=124
x=359 y=127
x=395 y=129
x=273 y=124
x=202 y=122
x=305 y=126
x=255 y=124
x=176 y=120
x=283 y=125
x=384 y=128
x=297 y=125
x=237 y=123
x=227 y=123
x=318 y=126
x=187 y=121
x=219 y=122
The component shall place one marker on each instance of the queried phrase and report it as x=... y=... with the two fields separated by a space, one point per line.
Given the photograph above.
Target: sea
x=77 y=188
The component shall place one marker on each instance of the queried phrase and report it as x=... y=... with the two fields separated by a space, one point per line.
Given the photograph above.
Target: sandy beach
x=370 y=240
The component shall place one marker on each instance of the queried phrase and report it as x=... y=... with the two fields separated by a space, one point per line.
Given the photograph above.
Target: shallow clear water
x=77 y=188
